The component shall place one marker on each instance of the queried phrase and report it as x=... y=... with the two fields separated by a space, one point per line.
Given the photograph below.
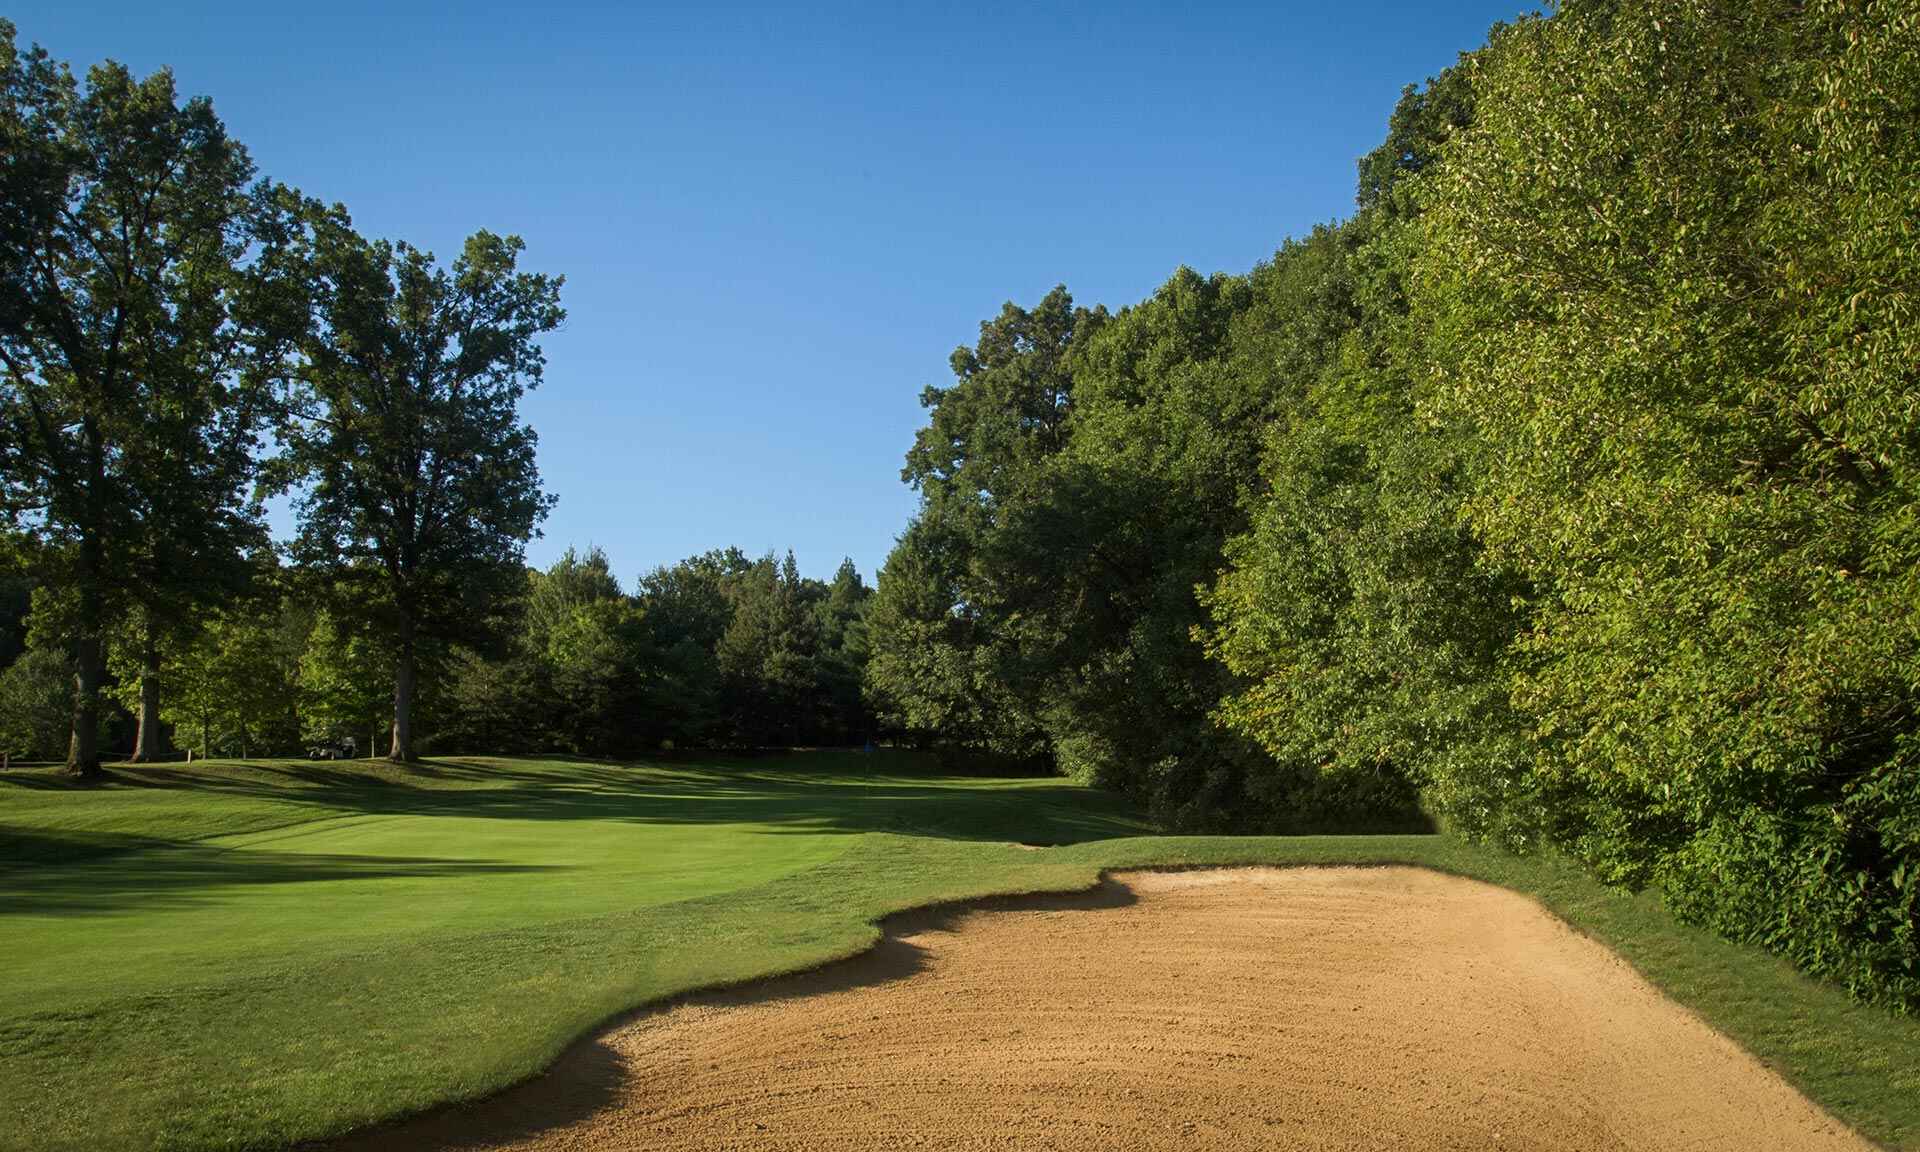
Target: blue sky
x=776 y=224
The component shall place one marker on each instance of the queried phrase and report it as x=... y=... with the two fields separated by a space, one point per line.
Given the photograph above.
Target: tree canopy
x=143 y=316
x=1566 y=486
x=418 y=487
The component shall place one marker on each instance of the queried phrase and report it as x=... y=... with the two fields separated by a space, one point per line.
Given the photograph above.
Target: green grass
x=249 y=955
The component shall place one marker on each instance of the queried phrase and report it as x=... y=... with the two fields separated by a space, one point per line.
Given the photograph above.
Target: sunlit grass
x=250 y=955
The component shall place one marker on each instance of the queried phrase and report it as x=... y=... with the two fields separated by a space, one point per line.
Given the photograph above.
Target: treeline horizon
x=720 y=651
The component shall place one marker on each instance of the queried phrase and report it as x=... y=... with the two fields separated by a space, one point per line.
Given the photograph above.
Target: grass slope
x=249 y=955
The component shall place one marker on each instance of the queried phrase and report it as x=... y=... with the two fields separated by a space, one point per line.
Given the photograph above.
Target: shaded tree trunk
x=146 y=742
x=403 y=680
x=83 y=748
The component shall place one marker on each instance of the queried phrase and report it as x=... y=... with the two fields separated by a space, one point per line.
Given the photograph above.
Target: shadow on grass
x=776 y=796
x=173 y=874
x=588 y=1077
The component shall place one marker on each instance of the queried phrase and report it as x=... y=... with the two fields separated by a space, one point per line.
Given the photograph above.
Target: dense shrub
x=1670 y=276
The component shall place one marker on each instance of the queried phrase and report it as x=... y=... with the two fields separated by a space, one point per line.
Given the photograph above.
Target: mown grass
x=251 y=955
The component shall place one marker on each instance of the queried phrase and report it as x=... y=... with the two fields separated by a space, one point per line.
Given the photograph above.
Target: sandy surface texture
x=1309 y=1008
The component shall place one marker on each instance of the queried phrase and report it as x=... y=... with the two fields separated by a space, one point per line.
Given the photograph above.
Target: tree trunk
x=83 y=747
x=146 y=743
x=403 y=676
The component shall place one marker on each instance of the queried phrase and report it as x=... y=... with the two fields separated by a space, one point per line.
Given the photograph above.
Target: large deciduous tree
x=143 y=316
x=944 y=659
x=1670 y=274
x=419 y=487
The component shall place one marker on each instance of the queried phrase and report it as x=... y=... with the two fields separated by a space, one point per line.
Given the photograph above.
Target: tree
x=944 y=659
x=1668 y=275
x=419 y=487
x=1097 y=565
x=584 y=635
x=767 y=656
x=345 y=683
x=932 y=673
x=142 y=318
x=1366 y=635
x=36 y=705
x=841 y=623
x=685 y=612
x=237 y=681
x=16 y=599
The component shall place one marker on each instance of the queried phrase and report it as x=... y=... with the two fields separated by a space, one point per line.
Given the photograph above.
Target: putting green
x=347 y=859
x=231 y=904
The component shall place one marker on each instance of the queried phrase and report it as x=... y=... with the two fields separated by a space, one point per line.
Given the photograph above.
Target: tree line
x=1568 y=491
x=720 y=650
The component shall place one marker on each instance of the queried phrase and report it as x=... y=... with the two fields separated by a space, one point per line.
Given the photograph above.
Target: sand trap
x=1310 y=1008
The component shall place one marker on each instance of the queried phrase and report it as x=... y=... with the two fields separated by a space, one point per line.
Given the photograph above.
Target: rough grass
x=250 y=955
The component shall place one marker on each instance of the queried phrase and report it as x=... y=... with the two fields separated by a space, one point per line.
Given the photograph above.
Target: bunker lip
x=1301 y=1007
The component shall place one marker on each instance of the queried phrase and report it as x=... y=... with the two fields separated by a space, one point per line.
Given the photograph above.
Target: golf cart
x=342 y=749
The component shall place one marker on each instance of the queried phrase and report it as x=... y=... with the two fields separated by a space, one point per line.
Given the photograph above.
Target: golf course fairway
x=251 y=955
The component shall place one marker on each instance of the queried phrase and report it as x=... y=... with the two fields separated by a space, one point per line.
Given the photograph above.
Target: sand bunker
x=1310 y=1008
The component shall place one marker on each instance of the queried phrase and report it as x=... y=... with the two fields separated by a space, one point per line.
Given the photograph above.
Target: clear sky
x=775 y=223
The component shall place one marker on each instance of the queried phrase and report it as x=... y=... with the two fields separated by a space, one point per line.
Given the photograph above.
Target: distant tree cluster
x=1570 y=489
x=719 y=650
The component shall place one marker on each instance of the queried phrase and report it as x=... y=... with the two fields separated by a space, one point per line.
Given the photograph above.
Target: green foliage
x=685 y=612
x=16 y=599
x=583 y=634
x=419 y=487
x=945 y=659
x=1667 y=270
x=1367 y=633
x=145 y=308
x=784 y=660
x=933 y=672
x=716 y=651
x=1572 y=482
x=840 y=621
x=36 y=705
x=235 y=688
x=1044 y=599
x=345 y=683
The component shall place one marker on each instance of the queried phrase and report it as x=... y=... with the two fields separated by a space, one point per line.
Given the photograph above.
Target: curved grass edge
x=1860 y=1064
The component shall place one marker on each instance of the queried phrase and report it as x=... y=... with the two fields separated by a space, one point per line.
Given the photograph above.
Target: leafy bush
x=1669 y=276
